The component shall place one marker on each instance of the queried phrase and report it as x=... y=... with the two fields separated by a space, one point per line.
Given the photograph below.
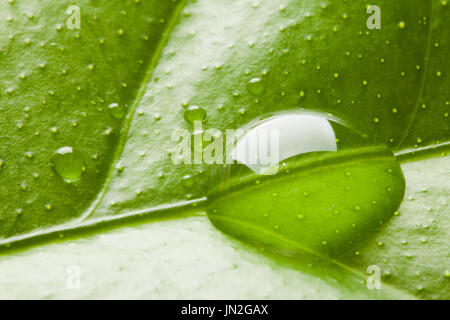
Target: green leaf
x=62 y=87
x=55 y=90
x=182 y=258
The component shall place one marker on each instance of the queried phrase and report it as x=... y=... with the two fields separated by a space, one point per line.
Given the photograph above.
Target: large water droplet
x=194 y=113
x=68 y=164
x=255 y=86
x=117 y=111
x=307 y=165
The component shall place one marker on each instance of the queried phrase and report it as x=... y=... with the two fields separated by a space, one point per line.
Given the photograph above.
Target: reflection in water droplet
x=194 y=113
x=281 y=137
x=321 y=182
x=255 y=86
x=117 y=111
x=68 y=164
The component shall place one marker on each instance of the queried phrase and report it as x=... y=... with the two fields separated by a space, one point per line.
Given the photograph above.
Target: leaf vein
x=422 y=84
x=162 y=43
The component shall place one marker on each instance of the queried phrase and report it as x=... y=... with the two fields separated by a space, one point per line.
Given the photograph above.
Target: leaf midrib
x=181 y=208
x=423 y=81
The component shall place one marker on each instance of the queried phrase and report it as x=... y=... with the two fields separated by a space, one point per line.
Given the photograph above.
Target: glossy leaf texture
x=56 y=85
x=156 y=59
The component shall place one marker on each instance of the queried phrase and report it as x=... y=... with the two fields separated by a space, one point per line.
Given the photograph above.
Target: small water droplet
x=117 y=111
x=68 y=164
x=187 y=181
x=255 y=86
x=194 y=113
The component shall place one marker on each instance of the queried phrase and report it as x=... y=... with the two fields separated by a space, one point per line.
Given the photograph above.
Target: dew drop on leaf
x=68 y=164
x=187 y=181
x=194 y=113
x=117 y=111
x=255 y=86
x=316 y=165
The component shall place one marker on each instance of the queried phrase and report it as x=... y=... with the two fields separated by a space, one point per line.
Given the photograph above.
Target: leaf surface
x=156 y=58
x=148 y=261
